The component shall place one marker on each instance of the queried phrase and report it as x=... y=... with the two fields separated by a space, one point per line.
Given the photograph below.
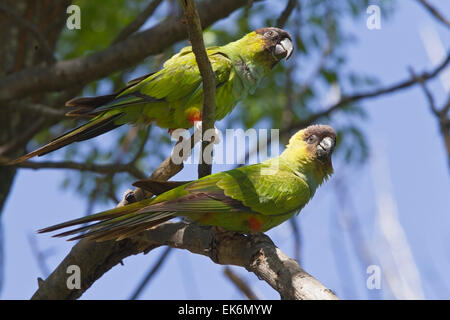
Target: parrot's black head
x=309 y=151
x=320 y=141
x=277 y=41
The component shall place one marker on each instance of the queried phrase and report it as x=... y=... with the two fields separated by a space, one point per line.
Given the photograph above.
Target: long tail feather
x=157 y=187
x=113 y=224
x=89 y=130
x=125 y=231
x=84 y=106
x=113 y=213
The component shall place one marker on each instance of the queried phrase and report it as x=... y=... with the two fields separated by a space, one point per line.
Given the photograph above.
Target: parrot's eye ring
x=270 y=34
x=311 y=139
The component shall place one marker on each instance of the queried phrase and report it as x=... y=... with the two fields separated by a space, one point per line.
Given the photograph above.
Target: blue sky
x=415 y=177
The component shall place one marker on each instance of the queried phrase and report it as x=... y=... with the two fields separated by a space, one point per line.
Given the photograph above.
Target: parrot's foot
x=226 y=233
x=216 y=137
x=218 y=238
x=258 y=237
x=220 y=229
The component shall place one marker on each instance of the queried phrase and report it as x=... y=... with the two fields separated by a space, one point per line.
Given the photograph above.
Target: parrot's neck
x=247 y=65
x=305 y=168
x=250 y=74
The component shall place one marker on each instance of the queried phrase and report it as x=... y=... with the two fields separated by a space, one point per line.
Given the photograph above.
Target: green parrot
x=248 y=199
x=173 y=96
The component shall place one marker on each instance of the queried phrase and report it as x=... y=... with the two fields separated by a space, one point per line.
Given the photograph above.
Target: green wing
x=229 y=199
x=260 y=188
x=179 y=78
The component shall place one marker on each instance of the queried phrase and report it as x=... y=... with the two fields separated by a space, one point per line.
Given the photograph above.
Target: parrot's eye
x=270 y=34
x=311 y=139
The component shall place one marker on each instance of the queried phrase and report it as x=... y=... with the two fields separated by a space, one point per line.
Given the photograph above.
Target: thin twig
x=208 y=81
x=80 y=166
x=440 y=113
x=142 y=145
x=138 y=22
x=39 y=255
x=153 y=270
x=40 y=109
x=435 y=12
x=22 y=139
x=427 y=92
x=346 y=99
x=283 y=18
x=240 y=284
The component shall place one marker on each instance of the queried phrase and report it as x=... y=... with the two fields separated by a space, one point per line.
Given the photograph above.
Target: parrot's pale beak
x=325 y=148
x=284 y=49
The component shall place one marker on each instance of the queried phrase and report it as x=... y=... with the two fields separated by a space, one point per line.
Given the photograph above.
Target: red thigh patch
x=255 y=224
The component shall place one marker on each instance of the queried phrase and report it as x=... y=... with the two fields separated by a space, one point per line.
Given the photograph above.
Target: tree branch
x=154 y=270
x=346 y=99
x=80 y=166
x=283 y=18
x=435 y=12
x=138 y=22
x=23 y=138
x=48 y=52
x=256 y=253
x=208 y=80
x=440 y=113
x=40 y=109
x=240 y=284
x=164 y=172
x=80 y=71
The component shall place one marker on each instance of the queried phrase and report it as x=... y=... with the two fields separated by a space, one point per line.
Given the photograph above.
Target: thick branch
x=256 y=253
x=79 y=71
x=208 y=79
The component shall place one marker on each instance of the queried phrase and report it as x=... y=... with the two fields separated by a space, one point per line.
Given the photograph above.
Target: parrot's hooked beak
x=325 y=148
x=277 y=41
x=283 y=49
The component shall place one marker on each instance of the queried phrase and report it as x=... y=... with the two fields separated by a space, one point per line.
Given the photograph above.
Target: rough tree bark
x=256 y=253
x=20 y=50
